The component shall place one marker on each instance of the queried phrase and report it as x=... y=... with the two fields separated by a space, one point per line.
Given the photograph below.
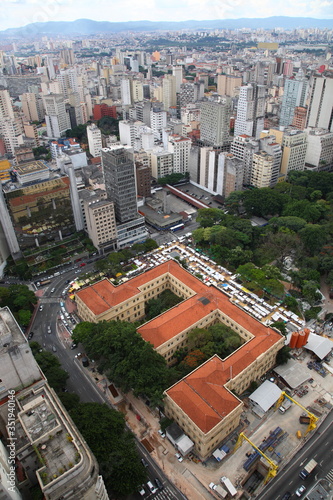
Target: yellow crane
x=313 y=419
x=273 y=467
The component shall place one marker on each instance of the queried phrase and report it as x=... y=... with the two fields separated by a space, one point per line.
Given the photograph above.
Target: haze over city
x=22 y=12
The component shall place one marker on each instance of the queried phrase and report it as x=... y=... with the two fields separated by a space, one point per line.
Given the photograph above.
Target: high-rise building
x=294 y=146
x=320 y=105
x=243 y=147
x=126 y=94
x=250 y=110
x=226 y=84
x=271 y=146
x=119 y=174
x=319 y=153
x=190 y=93
x=215 y=122
x=143 y=179
x=67 y=56
x=158 y=120
x=161 y=162
x=56 y=117
x=177 y=72
x=6 y=108
x=295 y=93
x=262 y=169
x=299 y=120
x=68 y=81
x=101 y=223
x=180 y=147
x=169 y=97
x=32 y=107
x=94 y=136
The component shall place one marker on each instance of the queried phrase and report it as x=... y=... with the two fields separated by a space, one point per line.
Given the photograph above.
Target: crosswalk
x=329 y=476
x=165 y=494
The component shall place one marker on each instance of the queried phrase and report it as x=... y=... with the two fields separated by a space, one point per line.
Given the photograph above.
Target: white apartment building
x=180 y=147
x=243 y=147
x=320 y=105
x=250 y=110
x=158 y=121
x=125 y=89
x=262 y=170
x=56 y=117
x=319 y=153
x=161 y=162
x=94 y=136
x=6 y=108
x=294 y=147
x=101 y=223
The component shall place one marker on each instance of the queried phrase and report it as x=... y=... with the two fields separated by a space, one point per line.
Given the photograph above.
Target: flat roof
x=266 y=395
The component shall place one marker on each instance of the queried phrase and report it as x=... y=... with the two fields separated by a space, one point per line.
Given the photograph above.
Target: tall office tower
x=75 y=200
x=169 y=97
x=137 y=90
x=11 y=131
x=226 y=84
x=190 y=93
x=57 y=120
x=8 y=228
x=295 y=93
x=180 y=147
x=259 y=73
x=32 y=107
x=68 y=81
x=288 y=68
x=50 y=68
x=143 y=179
x=215 y=122
x=250 y=110
x=269 y=145
x=320 y=105
x=271 y=69
x=243 y=147
x=125 y=89
x=299 y=120
x=319 y=154
x=158 y=121
x=142 y=111
x=101 y=223
x=177 y=72
x=6 y=108
x=205 y=159
x=67 y=56
x=94 y=136
x=230 y=174
x=75 y=103
x=294 y=146
x=119 y=175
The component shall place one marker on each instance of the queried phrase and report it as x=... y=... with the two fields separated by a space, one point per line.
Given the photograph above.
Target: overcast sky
x=16 y=13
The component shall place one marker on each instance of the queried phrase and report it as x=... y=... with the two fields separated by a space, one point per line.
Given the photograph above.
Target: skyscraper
x=94 y=136
x=250 y=110
x=295 y=92
x=320 y=108
x=119 y=174
x=215 y=122
x=57 y=120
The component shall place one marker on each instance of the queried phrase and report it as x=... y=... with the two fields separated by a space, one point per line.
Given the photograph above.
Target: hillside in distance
x=90 y=27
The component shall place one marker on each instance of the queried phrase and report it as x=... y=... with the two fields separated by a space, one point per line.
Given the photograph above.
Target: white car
x=179 y=457
x=299 y=492
x=161 y=433
x=142 y=491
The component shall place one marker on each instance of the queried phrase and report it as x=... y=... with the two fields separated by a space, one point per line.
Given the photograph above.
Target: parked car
x=41 y=307
x=73 y=346
x=286 y=496
x=54 y=349
x=159 y=484
x=31 y=334
x=161 y=433
x=49 y=329
x=142 y=491
x=179 y=457
x=144 y=462
x=52 y=290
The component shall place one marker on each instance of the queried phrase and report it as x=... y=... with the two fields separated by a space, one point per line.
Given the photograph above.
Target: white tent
x=320 y=346
x=264 y=397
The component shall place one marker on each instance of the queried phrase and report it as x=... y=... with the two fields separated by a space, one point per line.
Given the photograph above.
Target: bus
x=178 y=227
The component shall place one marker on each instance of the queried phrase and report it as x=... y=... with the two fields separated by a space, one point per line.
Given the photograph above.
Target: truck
x=220 y=491
x=310 y=466
x=285 y=405
x=229 y=486
x=304 y=419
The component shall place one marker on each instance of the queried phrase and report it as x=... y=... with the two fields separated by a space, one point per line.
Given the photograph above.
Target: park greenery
x=103 y=428
x=20 y=300
x=295 y=244
x=155 y=307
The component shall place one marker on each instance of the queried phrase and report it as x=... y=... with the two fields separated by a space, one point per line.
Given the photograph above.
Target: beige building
x=202 y=403
x=101 y=223
x=228 y=84
x=262 y=169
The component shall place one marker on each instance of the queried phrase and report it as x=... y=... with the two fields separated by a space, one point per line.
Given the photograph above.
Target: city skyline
x=20 y=13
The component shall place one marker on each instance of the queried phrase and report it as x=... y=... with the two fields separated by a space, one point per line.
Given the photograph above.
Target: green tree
x=313 y=236
x=283 y=355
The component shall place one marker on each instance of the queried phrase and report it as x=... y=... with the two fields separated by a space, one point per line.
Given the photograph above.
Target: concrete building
x=56 y=117
x=203 y=403
x=11 y=131
x=299 y=120
x=6 y=108
x=178 y=73
x=180 y=148
x=294 y=95
x=319 y=153
x=119 y=174
x=294 y=147
x=190 y=93
x=158 y=121
x=125 y=88
x=62 y=467
x=262 y=170
x=169 y=97
x=101 y=223
x=243 y=147
x=230 y=174
x=143 y=179
x=161 y=162
x=94 y=136
x=270 y=145
x=320 y=105
x=228 y=84
x=250 y=110
x=215 y=122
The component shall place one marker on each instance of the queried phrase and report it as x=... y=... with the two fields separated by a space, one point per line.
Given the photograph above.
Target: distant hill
x=89 y=27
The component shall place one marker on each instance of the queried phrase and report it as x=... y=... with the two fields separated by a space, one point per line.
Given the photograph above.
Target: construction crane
x=313 y=419
x=273 y=467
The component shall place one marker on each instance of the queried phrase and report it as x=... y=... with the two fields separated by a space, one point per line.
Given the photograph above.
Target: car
x=161 y=433
x=78 y=355
x=73 y=346
x=41 y=307
x=299 y=492
x=159 y=484
x=142 y=491
x=144 y=462
x=179 y=457
x=52 y=290
x=151 y=487
x=54 y=349
x=49 y=329
x=31 y=334
x=286 y=496
x=83 y=264
x=212 y=486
